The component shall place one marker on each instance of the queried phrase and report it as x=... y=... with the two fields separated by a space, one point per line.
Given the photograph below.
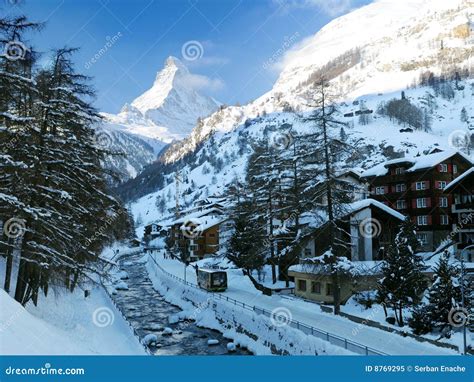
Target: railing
x=307 y=329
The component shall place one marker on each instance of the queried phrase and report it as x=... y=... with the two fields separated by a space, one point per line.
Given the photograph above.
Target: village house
x=462 y=189
x=367 y=228
x=415 y=187
x=198 y=231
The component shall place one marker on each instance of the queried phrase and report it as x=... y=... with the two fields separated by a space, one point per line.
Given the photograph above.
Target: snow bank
x=65 y=323
x=255 y=332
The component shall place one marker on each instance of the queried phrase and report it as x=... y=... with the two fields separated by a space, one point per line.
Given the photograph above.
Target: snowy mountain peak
x=167 y=111
x=167 y=79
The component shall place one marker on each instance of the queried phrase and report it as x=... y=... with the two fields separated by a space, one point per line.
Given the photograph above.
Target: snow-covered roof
x=361 y=204
x=356 y=268
x=198 y=215
x=318 y=217
x=416 y=163
x=204 y=223
x=456 y=181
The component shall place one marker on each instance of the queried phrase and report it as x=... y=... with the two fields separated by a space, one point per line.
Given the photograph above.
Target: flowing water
x=149 y=313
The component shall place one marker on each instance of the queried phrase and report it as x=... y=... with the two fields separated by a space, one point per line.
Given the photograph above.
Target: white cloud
x=200 y=82
x=330 y=7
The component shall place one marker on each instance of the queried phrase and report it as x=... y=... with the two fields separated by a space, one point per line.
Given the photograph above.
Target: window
x=399 y=170
x=316 y=287
x=421 y=203
x=422 y=238
x=401 y=204
x=302 y=285
x=420 y=185
x=444 y=220
x=422 y=220
x=329 y=289
x=455 y=168
x=443 y=201
x=212 y=235
x=441 y=184
x=443 y=167
x=400 y=187
x=380 y=190
x=307 y=252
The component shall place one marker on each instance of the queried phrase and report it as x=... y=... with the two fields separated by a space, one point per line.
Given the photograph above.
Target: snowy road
x=241 y=289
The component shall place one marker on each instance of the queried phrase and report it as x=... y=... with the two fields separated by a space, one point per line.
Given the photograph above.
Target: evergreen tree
x=246 y=247
x=403 y=282
x=51 y=175
x=443 y=296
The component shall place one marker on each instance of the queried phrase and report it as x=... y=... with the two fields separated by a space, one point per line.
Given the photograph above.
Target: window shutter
x=437 y=184
x=394 y=189
x=413 y=203
x=428 y=202
x=427 y=184
x=429 y=219
x=413 y=186
x=450 y=199
x=386 y=189
x=450 y=167
x=439 y=168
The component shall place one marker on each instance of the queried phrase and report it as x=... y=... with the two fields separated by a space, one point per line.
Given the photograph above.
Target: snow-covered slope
x=369 y=56
x=169 y=109
x=382 y=47
x=65 y=324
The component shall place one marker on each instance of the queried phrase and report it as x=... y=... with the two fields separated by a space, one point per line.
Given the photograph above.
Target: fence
x=307 y=329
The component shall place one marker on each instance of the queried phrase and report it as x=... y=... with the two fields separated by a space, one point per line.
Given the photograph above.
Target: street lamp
x=462 y=294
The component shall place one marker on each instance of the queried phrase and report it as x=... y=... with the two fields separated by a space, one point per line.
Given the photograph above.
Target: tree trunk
x=8 y=271
x=21 y=281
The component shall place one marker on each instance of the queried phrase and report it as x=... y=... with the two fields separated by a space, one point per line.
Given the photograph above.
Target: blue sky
x=235 y=40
